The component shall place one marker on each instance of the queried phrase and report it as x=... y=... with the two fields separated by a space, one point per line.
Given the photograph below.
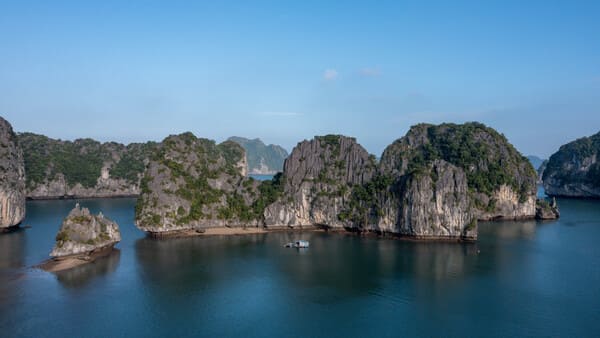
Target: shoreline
x=74 y=197
x=241 y=231
x=227 y=231
x=57 y=264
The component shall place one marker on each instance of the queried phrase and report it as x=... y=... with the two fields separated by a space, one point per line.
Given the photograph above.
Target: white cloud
x=370 y=72
x=330 y=74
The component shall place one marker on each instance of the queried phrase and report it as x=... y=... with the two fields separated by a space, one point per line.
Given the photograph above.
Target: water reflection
x=347 y=265
x=195 y=261
x=82 y=275
x=12 y=248
x=355 y=265
x=508 y=229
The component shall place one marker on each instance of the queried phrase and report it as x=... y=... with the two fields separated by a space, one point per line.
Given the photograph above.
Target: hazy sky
x=288 y=70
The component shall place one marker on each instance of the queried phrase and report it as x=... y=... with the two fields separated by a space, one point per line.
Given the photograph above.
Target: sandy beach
x=68 y=262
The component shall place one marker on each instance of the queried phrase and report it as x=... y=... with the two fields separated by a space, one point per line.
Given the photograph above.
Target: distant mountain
x=536 y=162
x=262 y=159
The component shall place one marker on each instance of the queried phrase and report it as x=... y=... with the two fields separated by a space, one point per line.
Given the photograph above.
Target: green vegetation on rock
x=80 y=161
x=575 y=165
x=485 y=155
x=196 y=181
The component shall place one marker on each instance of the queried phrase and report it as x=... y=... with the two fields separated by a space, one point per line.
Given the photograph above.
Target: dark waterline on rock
x=521 y=278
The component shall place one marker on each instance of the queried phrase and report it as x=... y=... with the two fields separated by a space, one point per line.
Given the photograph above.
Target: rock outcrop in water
x=546 y=210
x=262 y=159
x=574 y=170
x=319 y=176
x=193 y=183
x=84 y=233
x=435 y=182
x=12 y=178
x=82 y=168
x=332 y=181
x=501 y=181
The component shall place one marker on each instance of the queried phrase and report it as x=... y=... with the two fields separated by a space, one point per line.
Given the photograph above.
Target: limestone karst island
x=299 y=169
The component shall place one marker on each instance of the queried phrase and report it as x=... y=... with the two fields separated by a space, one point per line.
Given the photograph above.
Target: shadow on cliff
x=82 y=275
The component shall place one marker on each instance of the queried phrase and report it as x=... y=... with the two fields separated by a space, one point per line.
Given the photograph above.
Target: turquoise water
x=519 y=279
x=261 y=177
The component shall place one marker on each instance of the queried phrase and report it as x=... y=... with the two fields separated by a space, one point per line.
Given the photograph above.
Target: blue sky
x=286 y=71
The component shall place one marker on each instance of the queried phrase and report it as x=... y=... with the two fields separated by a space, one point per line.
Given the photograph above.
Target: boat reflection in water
x=298 y=244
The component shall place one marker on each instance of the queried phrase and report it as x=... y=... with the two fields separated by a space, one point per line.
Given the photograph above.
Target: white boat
x=298 y=244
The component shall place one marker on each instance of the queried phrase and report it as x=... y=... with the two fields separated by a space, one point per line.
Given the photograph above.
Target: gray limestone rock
x=12 y=178
x=319 y=176
x=82 y=233
x=574 y=170
x=192 y=184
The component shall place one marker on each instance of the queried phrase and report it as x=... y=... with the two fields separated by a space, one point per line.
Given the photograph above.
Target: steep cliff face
x=12 y=178
x=501 y=181
x=435 y=182
x=262 y=159
x=193 y=183
x=332 y=181
x=319 y=176
x=82 y=168
x=429 y=203
x=574 y=170
x=82 y=233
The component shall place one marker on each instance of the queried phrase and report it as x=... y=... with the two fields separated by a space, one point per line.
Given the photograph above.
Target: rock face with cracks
x=434 y=183
x=193 y=184
x=12 y=178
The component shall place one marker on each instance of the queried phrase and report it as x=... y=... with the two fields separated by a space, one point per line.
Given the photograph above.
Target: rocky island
x=83 y=168
x=82 y=238
x=12 y=179
x=546 y=210
x=434 y=183
x=193 y=184
x=574 y=170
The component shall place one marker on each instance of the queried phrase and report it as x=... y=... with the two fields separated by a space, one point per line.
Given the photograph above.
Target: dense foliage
x=366 y=199
x=564 y=164
x=80 y=161
x=207 y=177
x=488 y=159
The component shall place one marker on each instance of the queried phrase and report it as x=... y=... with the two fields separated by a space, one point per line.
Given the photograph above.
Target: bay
x=522 y=278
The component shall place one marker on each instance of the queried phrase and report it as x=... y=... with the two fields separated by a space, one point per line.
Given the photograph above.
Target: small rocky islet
x=81 y=239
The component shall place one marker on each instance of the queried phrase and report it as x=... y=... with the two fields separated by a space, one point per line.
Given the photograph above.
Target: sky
x=285 y=71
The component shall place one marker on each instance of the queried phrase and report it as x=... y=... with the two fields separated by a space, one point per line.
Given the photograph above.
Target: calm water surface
x=261 y=177
x=519 y=279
